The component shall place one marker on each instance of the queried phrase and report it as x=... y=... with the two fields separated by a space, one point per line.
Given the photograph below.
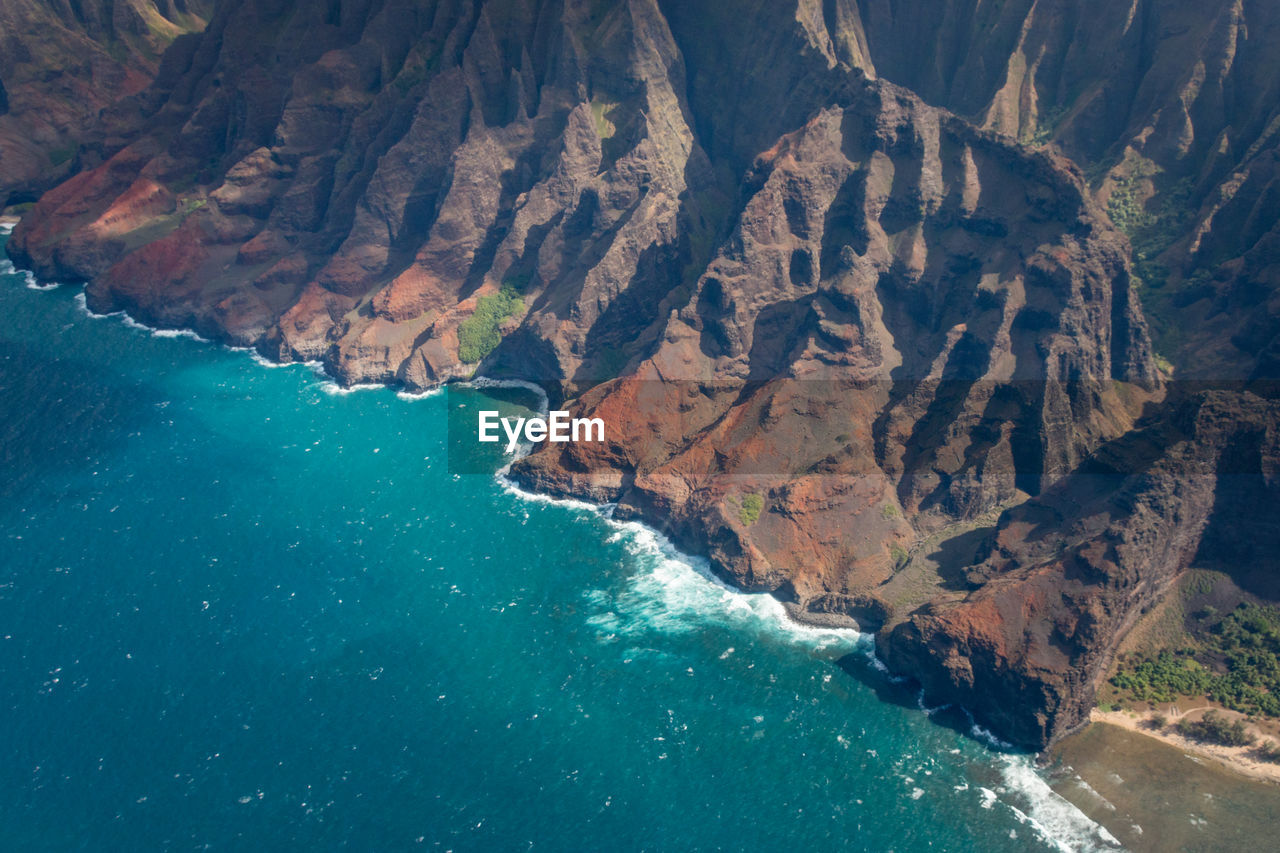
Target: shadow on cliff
x=1238 y=538
x=907 y=693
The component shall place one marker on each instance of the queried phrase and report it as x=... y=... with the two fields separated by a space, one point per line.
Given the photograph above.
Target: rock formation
x=1171 y=104
x=830 y=326
x=61 y=64
x=1066 y=573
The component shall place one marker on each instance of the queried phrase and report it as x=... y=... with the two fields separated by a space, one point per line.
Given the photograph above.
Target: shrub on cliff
x=478 y=335
x=751 y=506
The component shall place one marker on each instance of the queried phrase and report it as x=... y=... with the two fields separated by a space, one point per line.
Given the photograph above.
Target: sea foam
x=1055 y=819
x=157 y=332
x=82 y=302
x=28 y=277
x=483 y=382
x=674 y=592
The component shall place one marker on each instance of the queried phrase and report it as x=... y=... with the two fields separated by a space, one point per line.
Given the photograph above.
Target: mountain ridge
x=828 y=323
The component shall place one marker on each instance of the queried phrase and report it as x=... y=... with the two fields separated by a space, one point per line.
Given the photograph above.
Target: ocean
x=241 y=609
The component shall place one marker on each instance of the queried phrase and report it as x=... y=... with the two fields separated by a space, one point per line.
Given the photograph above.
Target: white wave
x=28 y=277
x=180 y=333
x=512 y=488
x=676 y=593
x=883 y=668
x=157 y=332
x=673 y=592
x=33 y=283
x=6 y=227
x=329 y=383
x=316 y=367
x=1089 y=789
x=977 y=732
x=333 y=389
x=533 y=388
x=1055 y=819
x=414 y=396
x=82 y=303
x=928 y=712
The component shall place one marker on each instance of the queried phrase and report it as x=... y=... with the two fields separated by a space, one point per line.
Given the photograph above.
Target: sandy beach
x=1241 y=759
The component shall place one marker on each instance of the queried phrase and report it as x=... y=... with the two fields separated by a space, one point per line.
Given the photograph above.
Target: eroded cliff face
x=1065 y=573
x=892 y=338
x=63 y=62
x=828 y=325
x=1173 y=106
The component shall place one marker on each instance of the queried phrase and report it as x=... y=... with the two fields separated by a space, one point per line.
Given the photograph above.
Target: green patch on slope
x=479 y=334
x=1233 y=660
x=600 y=110
x=1153 y=212
x=749 y=513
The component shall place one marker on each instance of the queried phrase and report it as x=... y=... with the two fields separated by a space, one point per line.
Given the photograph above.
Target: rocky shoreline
x=832 y=327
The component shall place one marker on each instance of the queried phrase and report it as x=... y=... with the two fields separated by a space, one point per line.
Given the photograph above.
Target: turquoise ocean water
x=240 y=610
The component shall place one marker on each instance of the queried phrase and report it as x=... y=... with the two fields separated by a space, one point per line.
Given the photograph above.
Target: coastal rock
x=824 y=321
x=1068 y=573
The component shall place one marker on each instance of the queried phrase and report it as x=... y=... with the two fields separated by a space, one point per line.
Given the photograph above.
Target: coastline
x=1052 y=816
x=789 y=615
x=1239 y=759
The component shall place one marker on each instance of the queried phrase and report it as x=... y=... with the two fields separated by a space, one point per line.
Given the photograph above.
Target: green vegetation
x=1164 y=679
x=889 y=511
x=1214 y=728
x=749 y=512
x=187 y=206
x=900 y=557
x=1046 y=124
x=1245 y=643
x=1150 y=232
x=61 y=154
x=478 y=335
x=1152 y=226
x=599 y=112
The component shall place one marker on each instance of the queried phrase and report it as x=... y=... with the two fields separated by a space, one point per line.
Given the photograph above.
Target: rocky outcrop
x=872 y=357
x=824 y=321
x=1068 y=573
x=61 y=64
x=1172 y=107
